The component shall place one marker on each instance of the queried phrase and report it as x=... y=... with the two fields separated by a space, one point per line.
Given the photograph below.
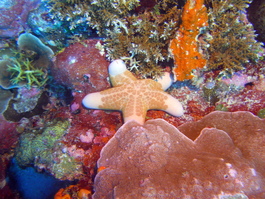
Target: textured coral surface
x=210 y=153
x=184 y=47
x=219 y=156
x=14 y=16
x=80 y=66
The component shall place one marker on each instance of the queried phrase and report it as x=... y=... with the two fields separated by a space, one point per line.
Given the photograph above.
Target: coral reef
x=26 y=103
x=5 y=96
x=28 y=42
x=54 y=32
x=72 y=192
x=42 y=148
x=5 y=75
x=81 y=67
x=185 y=47
x=9 y=137
x=27 y=65
x=25 y=72
x=61 y=137
x=232 y=44
x=135 y=32
x=157 y=159
x=38 y=143
x=14 y=16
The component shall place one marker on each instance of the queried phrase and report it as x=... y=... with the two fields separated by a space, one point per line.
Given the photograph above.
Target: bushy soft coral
x=134 y=32
x=233 y=41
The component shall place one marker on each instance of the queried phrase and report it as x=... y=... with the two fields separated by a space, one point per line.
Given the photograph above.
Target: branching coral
x=138 y=35
x=233 y=41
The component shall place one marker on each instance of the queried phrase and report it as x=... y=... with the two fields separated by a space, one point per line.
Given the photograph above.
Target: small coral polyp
x=185 y=46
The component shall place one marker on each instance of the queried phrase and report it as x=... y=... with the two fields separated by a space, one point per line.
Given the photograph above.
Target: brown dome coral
x=220 y=156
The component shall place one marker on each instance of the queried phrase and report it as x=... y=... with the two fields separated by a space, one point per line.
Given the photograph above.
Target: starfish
x=133 y=96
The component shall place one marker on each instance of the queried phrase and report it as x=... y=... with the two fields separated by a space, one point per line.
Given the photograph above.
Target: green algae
x=36 y=146
x=25 y=71
x=67 y=166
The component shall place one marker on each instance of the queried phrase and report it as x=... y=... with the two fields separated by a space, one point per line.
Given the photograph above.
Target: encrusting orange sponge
x=185 y=46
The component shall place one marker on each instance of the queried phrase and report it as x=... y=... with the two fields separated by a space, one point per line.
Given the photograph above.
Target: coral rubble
x=207 y=159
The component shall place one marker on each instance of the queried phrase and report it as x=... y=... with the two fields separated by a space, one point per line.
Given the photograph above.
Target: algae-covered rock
x=43 y=148
x=37 y=146
x=67 y=167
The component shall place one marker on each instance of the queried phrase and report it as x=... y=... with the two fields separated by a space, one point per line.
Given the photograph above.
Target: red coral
x=81 y=66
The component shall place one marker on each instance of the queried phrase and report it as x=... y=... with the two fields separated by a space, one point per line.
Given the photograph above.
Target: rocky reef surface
x=53 y=53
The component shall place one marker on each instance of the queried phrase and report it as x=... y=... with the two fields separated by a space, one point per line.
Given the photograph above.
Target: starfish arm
x=119 y=75
x=174 y=106
x=165 y=80
x=127 y=116
x=92 y=100
x=112 y=99
x=165 y=102
x=134 y=109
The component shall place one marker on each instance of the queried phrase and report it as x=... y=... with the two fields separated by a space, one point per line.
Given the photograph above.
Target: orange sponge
x=185 y=46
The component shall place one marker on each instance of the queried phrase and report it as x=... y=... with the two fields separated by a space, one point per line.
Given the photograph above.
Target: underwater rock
x=221 y=156
x=8 y=136
x=19 y=108
x=81 y=66
x=14 y=16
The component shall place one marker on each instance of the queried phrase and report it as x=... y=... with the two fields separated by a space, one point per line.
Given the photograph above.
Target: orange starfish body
x=185 y=46
x=132 y=96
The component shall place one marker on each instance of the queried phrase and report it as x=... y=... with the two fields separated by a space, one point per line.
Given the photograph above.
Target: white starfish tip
x=174 y=106
x=165 y=80
x=117 y=67
x=92 y=100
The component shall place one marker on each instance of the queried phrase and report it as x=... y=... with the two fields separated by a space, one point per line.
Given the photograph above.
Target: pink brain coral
x=220 y=156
